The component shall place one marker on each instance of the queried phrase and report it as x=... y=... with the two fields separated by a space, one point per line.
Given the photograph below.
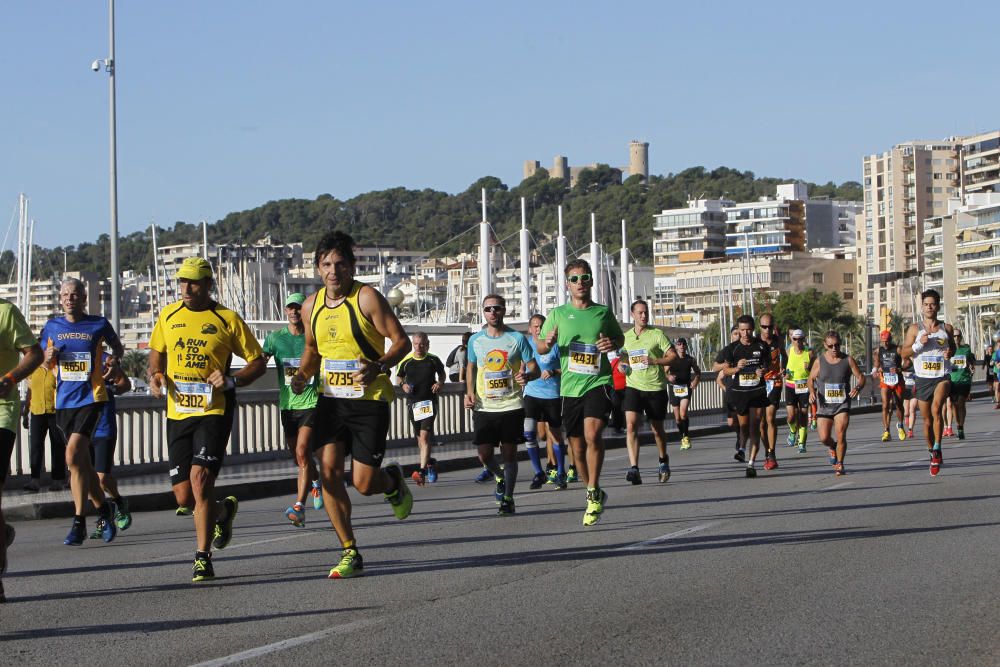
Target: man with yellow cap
x=190 y=358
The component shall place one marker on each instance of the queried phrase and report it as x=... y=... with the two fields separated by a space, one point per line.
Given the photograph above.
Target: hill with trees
x=437 y=221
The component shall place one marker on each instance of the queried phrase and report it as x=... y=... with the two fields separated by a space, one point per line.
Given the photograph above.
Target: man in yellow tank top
x=349 y=323
x=797 y=369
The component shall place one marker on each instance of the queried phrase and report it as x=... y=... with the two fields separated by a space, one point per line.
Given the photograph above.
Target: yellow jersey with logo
x=343 y=335
x=195 y=343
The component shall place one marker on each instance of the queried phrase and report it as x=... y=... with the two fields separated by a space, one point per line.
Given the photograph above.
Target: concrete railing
x=142 y=424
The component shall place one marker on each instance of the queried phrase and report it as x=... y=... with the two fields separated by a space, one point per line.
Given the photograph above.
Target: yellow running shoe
x=401 y=499
x=885 y=436
x=351 y=565
x=595 y=506
x=900 y=433
x=685 y=442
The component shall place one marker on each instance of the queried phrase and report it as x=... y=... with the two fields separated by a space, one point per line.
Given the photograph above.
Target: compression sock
x=559 y=449
x=509 y=478
x=536 y=462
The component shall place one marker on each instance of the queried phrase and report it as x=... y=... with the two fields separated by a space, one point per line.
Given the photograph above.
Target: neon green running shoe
x=123 y=518
x=595 y=506
x=571 y=475
x=351 y=565
x=401 y=499
x=685 y=442
x=224 y=527
x=202 y=570
x=183 y=511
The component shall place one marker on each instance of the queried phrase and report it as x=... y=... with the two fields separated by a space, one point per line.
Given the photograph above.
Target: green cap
x=298 y=298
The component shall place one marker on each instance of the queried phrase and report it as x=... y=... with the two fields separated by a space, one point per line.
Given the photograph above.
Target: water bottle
x=623 y=365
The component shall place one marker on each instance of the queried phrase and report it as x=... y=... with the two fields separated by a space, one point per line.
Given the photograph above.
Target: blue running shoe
x=432 y=471
x=317 y=494
x=77 y=534
x=484 y=476
x=108 y=528
x=499 y=490
x=297 y=515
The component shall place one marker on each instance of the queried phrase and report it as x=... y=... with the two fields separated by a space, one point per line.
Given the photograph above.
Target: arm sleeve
x=439 y=367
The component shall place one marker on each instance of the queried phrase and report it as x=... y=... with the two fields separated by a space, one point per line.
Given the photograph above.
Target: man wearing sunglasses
x=888 y=365
x=830 y=391
x=962 y=363
x=747 y=361
x=585 y=332
x=773 y=387
x=931 y=344
x=500 y=363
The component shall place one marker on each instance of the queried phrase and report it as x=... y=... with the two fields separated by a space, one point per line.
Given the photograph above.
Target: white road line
x=286 y=644
x=664 y=538
x=241 y=545
x=834 y=487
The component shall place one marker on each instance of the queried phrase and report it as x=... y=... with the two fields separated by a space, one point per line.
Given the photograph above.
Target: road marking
x=241 y=545
x=664 y=538
x=834 y=487
x=286 y=644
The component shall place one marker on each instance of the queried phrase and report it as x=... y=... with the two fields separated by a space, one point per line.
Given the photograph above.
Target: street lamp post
x=109 y=67
x=749 y=272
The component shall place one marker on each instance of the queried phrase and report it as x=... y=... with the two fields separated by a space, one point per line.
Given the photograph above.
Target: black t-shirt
x=779 y=356
x=421 y=374
x=757 y=354
x=682 y=368
x=889 y=358
x=720 y=358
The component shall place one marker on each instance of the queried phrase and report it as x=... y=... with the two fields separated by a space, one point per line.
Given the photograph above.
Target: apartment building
x=981 y=163
x=689 y=235
x=769 y=226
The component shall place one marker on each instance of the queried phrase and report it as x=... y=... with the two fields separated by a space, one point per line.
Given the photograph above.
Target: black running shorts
x=81 y=420
x=742 y=401
x=652 y=403
x=548 y=410
x=102 y=453
x=7 y=439
x=293 y=420
x=595 y=404
x=198 y=441
x=493 y=428
x=800 y=401
x=960 y=390
x=925 y=387
x=360 y=426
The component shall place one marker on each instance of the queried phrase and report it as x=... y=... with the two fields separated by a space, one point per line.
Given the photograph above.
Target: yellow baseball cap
x=194 y=268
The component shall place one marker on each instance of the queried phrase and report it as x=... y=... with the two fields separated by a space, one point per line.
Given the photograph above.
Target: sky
x=225 y=105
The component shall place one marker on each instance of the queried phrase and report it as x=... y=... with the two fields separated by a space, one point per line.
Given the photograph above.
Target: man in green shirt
x=286 y=345
x=962 y=364
x=585 y=332
x=646 y=351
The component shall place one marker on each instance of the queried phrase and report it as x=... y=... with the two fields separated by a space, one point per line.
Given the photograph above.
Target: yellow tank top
x=343 y=334
x=798 y=364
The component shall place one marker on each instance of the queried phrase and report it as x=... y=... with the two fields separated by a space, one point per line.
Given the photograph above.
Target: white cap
x=797 y=333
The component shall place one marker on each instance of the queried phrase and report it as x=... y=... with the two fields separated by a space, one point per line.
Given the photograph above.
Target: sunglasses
x=833 y=347
x=579 y=278
x=493 y=309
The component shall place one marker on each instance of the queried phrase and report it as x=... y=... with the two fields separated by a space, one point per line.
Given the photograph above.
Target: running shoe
x=790 y=440
x=740 y=456
x=812 y=425
x=900 y=433
x=351 y=565
x=401 y=499
x=97 y=533
x=432 y=472
x=595 y=506
x=560 y=483
x=123 y=517
x=419 y=477
x=685 y=442
x=751 y=472
x=572 y=475
x=946 y=432
x=802 y=448
x=551 y=476
x=633 y=476
x=224 y=527
x=961 y=434
x=885 y=436
x=506 y=507
x=838 y=469
x=770 y=463
x=106 y=522
x=317 y=495
x=936 y=460
x=909 y=433
x=664 y=472
x=183 y=511
x=833 y=456
x=538 y=481
x=499 y=489
x=483 y=476
x=77 y=534
x=297 y=515
x=202 y=570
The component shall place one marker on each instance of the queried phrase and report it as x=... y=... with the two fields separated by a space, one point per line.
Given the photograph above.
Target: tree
x=134 y=363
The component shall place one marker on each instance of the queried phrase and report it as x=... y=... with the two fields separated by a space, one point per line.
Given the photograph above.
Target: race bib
x=769 y=384
x=584 y=359
x=337 y=381
x=909 y=380
x=192 y=397
x=74 y=366
x=635 y=360
x=498 y=384
x=422 y=410
x=291 y=367
x=932 y=365
x=681 y=390
x=890 y=379
x=834 y=393
x=802 y=386
x=958 y=362
x=748 y=380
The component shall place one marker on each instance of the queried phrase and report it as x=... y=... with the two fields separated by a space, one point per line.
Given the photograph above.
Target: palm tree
x=134 y=363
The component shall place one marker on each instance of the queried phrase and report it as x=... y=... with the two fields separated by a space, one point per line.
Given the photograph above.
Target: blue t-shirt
x=107 y=425
x=546 y=362
x=79 y=381
x=497 y=361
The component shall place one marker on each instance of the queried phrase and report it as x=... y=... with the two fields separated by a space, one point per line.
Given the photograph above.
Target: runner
x=773 y=386
x=40 y=405
x=74 y=342
x=991 y=375
x=416 y=375
x=887 y=367
x=995 y=367
x=797 y=367
x=585 y=332
x=542 y=413
x=19 y=356
x=962 y=364
x=830 y=390
x=646 y=352
x=930 y=344
x=724 y=381
x=102 y=446
x=190 y=356
x=683 y=375
x=909 y=396
x=747 y=361
x=348 y=326
x=286 y=346
x=501 y=362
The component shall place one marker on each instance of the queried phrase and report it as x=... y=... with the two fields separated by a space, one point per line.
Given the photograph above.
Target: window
x=781 y=277
x=848 y=278
x=818 y=278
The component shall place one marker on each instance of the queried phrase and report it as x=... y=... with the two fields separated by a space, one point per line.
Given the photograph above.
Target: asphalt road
x=883 y=566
